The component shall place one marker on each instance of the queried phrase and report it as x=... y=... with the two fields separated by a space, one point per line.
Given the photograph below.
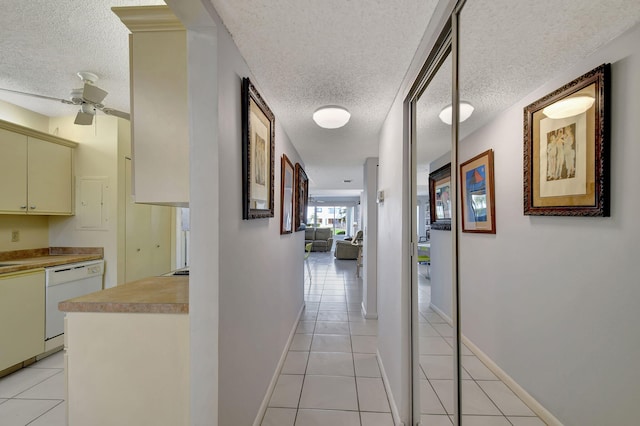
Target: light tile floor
x=35 y=395
x=331 y=374
x=486 y=401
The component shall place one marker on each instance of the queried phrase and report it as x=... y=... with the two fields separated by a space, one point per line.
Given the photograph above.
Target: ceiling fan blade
x=64 y=101
x=116 y=113
x=93 y=94
x=83 y=118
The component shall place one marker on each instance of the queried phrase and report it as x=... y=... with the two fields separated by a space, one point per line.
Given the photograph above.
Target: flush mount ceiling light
x=465 y=112
x=569 y=107
x=331 y=116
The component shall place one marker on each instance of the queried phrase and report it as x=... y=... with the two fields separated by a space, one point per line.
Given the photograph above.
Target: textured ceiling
x=44 y=43
x=508 y=49
x=305 y=54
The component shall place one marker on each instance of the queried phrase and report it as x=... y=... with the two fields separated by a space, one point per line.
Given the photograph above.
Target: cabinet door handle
x=33 y=207
x=23 y=207
x=137 y=249
x=158 y=246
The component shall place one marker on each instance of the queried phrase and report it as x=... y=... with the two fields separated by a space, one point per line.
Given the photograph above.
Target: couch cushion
x=310 y=234
x=323 y=233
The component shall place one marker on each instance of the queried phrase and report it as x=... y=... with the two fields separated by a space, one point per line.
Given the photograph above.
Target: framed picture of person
x=566 y=146
x=258 y=149
x=477 y=194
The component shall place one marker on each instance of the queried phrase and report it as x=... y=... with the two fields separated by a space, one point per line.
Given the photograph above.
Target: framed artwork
x=566 y=144
x=258 y=150
x=286 y=196
x=440 y=198
x=302 y=198
x=477 y=194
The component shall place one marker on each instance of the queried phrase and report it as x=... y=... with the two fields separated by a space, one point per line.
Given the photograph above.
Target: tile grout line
x=61 y=402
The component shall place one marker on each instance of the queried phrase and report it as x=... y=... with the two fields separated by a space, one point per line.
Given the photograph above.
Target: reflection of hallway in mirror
x=485 y=399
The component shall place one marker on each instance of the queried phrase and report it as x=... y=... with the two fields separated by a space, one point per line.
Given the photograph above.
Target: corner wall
x=554 y=300
x=246 y=284
x=393 y=268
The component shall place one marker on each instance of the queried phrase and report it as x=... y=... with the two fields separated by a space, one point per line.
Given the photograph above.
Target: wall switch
x=15 y=236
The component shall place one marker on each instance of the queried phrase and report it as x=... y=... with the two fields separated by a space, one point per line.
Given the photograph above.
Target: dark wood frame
x=302 y=199
x=287 y=166
x=250 y=95
x=486 y=159
x=442 y=224
x=596 y=201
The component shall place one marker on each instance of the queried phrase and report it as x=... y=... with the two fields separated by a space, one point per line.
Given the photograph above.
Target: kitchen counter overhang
x=161 y=295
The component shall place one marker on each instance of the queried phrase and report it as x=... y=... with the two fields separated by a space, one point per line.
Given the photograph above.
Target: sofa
x=348 y=248
x=321 y=238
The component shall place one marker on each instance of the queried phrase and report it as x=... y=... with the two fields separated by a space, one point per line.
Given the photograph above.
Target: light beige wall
x=23 y=117
x=34 y=232
x=141 y=363
x=96 y=155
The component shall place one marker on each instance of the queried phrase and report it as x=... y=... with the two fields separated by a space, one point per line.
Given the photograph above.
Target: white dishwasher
x=65 y=282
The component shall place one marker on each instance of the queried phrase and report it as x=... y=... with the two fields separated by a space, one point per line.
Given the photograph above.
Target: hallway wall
x=393 y=267
x=553 y=300
x=261 y=271
x=246 y=282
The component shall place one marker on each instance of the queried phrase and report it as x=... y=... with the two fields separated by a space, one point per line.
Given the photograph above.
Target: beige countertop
x=160 y=295
x=23 y=260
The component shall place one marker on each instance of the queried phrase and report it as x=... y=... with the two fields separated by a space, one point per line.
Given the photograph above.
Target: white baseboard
x=442 y=314
x=395 y=413
x=53 y=345
x=276 y=374
x=529 y=401
x=367 y=315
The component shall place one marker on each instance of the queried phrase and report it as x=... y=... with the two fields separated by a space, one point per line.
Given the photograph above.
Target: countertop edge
x=124 y=307
x=164 y=295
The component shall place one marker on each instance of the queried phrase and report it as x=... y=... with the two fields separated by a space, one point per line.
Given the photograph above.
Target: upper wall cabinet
x=36 y=172
x=159 y=114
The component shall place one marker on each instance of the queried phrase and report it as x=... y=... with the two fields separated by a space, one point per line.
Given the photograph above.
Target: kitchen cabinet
x=36 y=172
x=22 y=311
x=149 y=231
x=159 y=110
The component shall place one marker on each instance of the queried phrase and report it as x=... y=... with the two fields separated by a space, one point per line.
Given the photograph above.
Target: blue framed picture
x=478 y=195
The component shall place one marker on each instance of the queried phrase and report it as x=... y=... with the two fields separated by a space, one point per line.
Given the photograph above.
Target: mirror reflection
x=433 y=173
x=536 y=315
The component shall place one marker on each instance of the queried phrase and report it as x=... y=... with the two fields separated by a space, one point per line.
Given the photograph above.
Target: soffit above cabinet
x=16 y=128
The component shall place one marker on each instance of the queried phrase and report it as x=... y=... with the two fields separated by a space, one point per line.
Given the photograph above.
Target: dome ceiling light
x=331 y=116
x=466 y=109
x=568 y=107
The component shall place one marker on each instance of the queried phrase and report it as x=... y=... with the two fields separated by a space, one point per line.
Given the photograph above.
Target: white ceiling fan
x=89 y=98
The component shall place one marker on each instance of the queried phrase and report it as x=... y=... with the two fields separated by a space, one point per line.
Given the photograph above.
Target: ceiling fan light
x=466 y=109
x=568 y=107
x=331 y=116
